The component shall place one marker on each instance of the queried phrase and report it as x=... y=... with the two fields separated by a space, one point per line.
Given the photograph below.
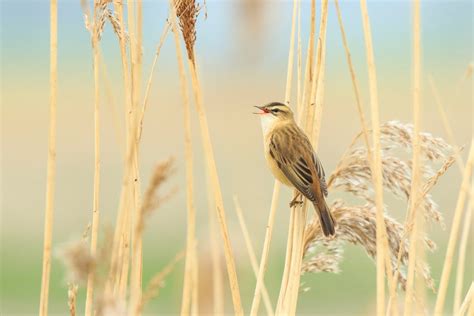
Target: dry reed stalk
x=190 y=271
x=355 y=84
x=151 y=201
x=289 y=290
x=95 y=207
x=111 y=102
x=377 y=162
x=462 y=254
x=187 y=20
x=119 y=245
x=417 y=229
x=150 y=76
x=136 y=263
x=297 y=215
x=72 y=298
x=312 y=120
x=277 y=185
x=216 y=255
x=468 y=300
x=251 y=253
x=155 y=283
x=299 y=64
x=321 y=69
x=365 y=132
x=51 y=172
x=454 y=232
x=444 y=119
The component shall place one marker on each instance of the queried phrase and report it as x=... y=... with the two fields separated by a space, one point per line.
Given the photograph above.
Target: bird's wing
x=295 y=157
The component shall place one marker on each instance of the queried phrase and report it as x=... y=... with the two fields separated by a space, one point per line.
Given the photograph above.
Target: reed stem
x=51 y=173
x=277 y=185
x=448 y=260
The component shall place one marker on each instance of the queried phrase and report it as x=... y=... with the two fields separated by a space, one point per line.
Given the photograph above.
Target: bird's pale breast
x=272 y=164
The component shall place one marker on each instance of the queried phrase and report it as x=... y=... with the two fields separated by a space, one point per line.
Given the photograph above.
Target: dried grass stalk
x=51 y=172
x=187 y=20
x=289 y=290
x=377 y=160
x=190 y=285
x=444 y=118
x=121 y=235
x=355 y=84
x=95 y=34
x=443 y=285
x=468 y=300
x=462 y=253
x=365 y=131
x=216 y=258
x=137 y=212
x=72 y=298
x=277 y=185
x=251 y=253
x=156 y=282
x=416 y=250
x=151 y=201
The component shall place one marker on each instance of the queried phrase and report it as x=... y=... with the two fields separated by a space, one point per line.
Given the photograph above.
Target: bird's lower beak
x=261 y=108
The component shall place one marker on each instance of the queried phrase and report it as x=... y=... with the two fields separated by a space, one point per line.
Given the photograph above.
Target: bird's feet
x=296 y=201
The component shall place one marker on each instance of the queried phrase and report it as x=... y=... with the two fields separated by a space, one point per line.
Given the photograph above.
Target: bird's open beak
x=262 y=109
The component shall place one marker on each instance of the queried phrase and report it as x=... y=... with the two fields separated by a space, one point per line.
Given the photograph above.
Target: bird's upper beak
x=262 y=109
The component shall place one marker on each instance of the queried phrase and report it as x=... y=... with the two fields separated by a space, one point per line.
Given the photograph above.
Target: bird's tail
x=325 y=218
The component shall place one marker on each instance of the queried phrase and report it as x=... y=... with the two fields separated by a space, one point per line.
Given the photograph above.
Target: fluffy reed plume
x=109 y=305
x=156 y=282
x=395 y=133
x=323 y=256
x=79 y=261
x=72 y=298
x=151 y=199
x=357 y=225
x=353 y=172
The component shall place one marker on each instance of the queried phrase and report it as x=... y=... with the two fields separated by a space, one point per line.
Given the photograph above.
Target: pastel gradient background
x=241 y=49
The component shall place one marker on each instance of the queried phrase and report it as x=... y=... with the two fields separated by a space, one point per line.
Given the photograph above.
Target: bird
x=293 y=161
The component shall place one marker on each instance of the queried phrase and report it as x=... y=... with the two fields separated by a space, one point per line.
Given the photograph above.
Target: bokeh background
x=242 y=48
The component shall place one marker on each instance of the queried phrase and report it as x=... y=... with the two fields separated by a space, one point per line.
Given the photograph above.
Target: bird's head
x=275 y=111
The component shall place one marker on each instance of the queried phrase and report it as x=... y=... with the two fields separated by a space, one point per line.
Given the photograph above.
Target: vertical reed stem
x=95 y=207
x=381 y=234
x=214 y=178
x=251 y=253
x=462 y=254
x=417 y=231
x=277 y=185
x=190 y=271
x=448 y=260
x=135 y=30
x=51 y=173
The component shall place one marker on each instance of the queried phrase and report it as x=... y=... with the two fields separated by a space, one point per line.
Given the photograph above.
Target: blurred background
x=242 y=48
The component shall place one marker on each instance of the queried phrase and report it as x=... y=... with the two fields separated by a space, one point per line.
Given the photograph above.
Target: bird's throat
x=268 y=123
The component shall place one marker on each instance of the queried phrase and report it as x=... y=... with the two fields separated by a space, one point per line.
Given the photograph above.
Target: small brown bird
x=292 y=160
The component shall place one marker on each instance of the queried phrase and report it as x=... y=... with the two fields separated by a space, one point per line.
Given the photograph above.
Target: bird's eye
x=275 y=110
